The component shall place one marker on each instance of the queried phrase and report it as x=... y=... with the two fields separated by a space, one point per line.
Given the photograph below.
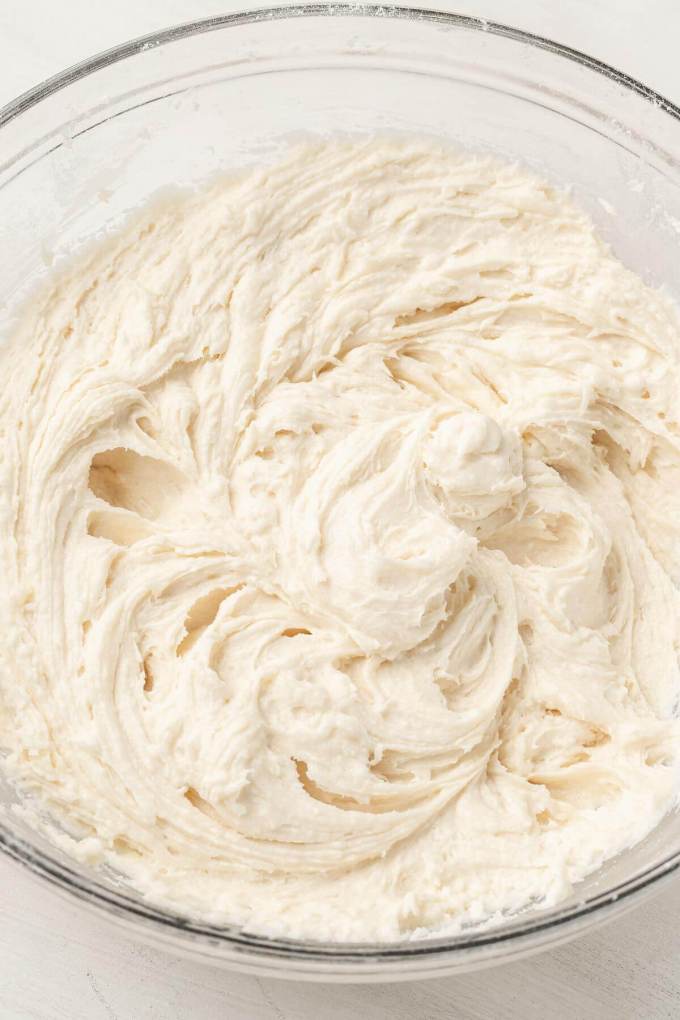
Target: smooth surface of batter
x=339 y=523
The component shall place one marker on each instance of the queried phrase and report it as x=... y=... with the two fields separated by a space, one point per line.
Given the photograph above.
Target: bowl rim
x=346 y=956
x=105 y=58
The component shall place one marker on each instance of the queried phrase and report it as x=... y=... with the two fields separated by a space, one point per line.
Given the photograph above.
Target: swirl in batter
x=339 y=529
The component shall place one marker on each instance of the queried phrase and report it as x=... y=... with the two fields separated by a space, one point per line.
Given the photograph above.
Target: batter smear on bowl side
x=340 y=520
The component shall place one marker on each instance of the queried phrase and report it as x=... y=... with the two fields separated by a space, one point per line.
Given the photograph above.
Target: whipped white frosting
x=340 y=513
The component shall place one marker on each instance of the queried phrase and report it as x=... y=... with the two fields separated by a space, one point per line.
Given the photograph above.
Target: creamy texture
x=339 y=525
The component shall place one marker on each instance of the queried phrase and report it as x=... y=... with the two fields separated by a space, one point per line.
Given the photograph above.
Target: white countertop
x=58 y=962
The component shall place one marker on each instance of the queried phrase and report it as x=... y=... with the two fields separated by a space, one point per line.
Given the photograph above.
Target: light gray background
x=57 y=963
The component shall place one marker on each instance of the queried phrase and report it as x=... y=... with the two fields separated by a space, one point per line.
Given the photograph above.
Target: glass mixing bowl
x=82 y=150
